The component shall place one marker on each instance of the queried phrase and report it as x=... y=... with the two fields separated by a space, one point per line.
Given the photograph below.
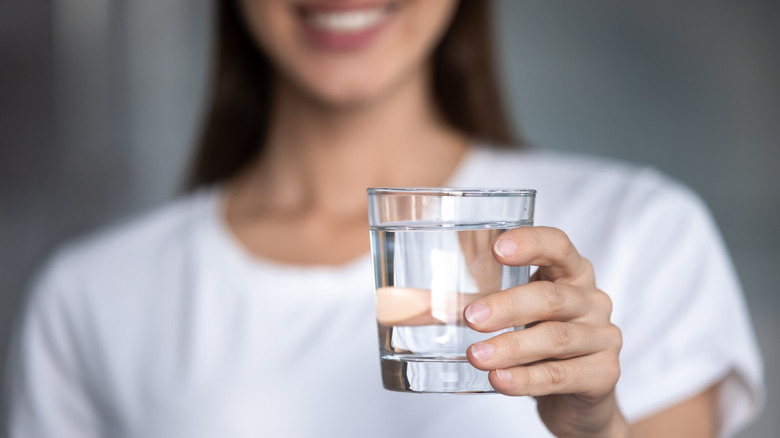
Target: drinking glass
x=431 y=251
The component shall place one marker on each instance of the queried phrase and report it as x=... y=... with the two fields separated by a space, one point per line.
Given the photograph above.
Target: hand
x=567 y=356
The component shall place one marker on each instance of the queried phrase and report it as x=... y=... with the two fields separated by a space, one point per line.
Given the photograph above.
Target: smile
x=344 y=27
x=349 y=21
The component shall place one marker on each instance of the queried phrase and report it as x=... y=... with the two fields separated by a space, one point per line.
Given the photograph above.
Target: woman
x=244 y=309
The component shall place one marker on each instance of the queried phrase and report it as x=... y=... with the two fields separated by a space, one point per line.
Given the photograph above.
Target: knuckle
x=502 y=302
x=558 y=234
x=617 y=337
x=513 y=345
x=522 y=378
x=588 y=264
x=613 y=370
x=567 y=247
x=603 y=302
x=560 y=334
x=556 y=373
x=588 y=272
x=504 y=307
x=536 y=237
x=554 y=297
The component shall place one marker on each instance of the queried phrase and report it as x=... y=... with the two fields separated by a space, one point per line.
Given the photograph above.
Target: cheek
x=271 y=26
x=428 y=20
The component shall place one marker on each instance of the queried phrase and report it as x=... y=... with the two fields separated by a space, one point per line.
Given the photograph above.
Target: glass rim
x=452 y=191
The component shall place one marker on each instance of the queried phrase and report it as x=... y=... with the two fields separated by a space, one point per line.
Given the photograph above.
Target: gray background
x=100 y=102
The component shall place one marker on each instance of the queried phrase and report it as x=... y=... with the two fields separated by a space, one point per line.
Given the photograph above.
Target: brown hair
x=465 y=84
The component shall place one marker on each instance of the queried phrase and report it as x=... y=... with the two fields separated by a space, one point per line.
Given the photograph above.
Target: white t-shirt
x=167 y=327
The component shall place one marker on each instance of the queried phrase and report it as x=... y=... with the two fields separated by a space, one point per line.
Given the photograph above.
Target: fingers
x=548 y=248
x=588 y=376
x=570 y=345
x=537 y=301
x=547 y=340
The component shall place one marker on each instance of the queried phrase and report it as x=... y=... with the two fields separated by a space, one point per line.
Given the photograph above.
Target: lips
x=344 y=27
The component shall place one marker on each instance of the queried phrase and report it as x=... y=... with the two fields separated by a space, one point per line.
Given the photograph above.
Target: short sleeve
x=46 y=387
x=680 y=306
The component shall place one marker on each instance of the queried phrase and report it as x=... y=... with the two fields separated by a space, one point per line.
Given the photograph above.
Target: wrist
x=618 y=427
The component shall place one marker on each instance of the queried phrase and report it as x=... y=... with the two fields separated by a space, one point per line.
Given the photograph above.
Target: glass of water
x=431 y=250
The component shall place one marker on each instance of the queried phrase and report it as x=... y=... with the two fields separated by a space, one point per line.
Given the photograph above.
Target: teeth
x=347 y=21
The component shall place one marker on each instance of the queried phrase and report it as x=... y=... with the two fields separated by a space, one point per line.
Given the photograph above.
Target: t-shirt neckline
x=229 y=248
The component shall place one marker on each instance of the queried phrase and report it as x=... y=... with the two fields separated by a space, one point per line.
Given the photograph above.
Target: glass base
x=443 y=375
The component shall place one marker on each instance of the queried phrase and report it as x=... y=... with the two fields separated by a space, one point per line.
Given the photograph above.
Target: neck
x=322 y=157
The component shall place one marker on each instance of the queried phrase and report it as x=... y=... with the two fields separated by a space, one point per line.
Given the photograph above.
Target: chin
x=351 y=98
x=347 y=94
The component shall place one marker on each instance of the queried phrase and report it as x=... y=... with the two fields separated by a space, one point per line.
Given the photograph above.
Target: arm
x=47 y=394
x=692 y=418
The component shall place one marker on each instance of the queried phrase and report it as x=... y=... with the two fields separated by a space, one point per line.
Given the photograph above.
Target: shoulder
x=570 y=181
x=555 y=169
x=617 y=213
x=121 y=251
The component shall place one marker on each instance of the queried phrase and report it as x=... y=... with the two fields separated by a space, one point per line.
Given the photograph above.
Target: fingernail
x=503 y=375
x=506 y=247
x=477 y=313
x=482 y=351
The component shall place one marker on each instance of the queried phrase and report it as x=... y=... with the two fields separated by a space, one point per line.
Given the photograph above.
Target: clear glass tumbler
x=431 y=250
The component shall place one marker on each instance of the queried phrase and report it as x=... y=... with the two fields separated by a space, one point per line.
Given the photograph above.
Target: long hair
x=464 y=77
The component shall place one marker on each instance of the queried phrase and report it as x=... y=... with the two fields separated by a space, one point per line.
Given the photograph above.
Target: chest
x=305 y=240
x=235 y=354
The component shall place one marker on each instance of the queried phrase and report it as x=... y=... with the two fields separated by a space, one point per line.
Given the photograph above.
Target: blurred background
x=100 y=102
